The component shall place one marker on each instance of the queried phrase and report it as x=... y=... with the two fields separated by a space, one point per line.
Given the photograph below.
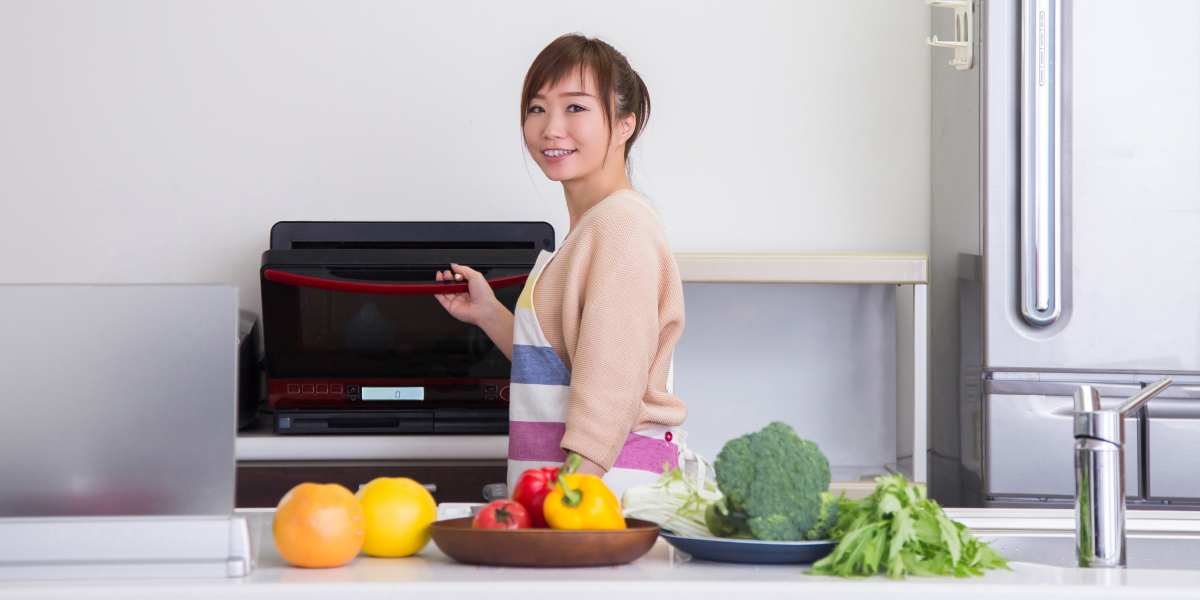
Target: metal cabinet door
x=1030 y=439
x=1127 y=248
x=1173 y=437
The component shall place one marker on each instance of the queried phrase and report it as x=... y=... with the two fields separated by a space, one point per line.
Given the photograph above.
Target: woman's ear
x=626 y=126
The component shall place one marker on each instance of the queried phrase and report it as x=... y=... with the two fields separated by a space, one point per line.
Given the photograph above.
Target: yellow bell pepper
x=581 y=501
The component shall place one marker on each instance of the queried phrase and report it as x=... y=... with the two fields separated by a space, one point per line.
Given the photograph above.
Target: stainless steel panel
x=1173 y=436
x=1058 y=549
x=1030 y=441
x=954 y=239
x=1131 y=192
x=118 y=400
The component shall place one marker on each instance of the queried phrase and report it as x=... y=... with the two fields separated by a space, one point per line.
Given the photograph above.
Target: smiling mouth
x=557 y=153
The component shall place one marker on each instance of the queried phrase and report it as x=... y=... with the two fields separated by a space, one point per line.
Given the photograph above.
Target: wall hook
x=964 y=28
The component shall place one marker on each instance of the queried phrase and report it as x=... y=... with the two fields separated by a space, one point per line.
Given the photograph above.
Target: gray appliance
x=1065 y=246
x=119 y=400
x=121 y=406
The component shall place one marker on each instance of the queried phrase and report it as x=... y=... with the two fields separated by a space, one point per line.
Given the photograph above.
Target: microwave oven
x=356 y=342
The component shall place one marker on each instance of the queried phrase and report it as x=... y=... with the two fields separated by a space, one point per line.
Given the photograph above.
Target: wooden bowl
x=543 y=547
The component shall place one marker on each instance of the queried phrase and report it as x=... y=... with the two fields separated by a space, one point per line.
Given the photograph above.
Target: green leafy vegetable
x=901 y=532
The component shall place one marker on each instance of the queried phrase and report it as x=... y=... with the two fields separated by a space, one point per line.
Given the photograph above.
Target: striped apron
x=538 y=406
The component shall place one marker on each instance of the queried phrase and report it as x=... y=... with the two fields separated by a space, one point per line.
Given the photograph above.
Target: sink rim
x=1018 y=521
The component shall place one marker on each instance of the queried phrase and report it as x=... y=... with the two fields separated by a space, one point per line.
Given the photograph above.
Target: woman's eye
x=576 y=107
x=535 y=109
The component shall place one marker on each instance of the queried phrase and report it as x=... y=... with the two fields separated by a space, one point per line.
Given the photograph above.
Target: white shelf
x=911 y=271
x=265 y=446
x=751 y=267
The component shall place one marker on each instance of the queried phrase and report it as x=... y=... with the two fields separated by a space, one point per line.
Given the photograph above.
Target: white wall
x=145 y=141
x=819 y=357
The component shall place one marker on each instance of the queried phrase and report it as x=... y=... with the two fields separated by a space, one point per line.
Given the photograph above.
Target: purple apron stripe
x=541 y=442
x=536 y=441
x=642 y=453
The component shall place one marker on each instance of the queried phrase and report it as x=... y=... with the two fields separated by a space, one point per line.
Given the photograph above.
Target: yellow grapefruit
x=398 y=514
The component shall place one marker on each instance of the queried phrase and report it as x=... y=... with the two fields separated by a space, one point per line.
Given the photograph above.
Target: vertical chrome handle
x=1041 y=118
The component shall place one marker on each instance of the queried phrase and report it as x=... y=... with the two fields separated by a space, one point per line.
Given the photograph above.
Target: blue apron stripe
x=538 y=364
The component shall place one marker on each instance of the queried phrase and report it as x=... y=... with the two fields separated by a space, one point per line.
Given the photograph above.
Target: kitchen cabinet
x=1173 y=426
x=454 y=467
x=261 y=484
x=1035 y=420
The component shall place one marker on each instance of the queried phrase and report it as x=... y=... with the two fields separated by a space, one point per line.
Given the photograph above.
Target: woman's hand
x=476 y=305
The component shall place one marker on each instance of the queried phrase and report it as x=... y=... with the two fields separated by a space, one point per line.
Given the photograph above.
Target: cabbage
x=675 y=502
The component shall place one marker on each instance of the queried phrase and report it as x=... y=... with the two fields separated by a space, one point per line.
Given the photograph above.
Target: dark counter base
x=262 y=484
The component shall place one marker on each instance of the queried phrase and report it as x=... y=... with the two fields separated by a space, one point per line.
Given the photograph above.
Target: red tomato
x=532 y=488
x=502 y=514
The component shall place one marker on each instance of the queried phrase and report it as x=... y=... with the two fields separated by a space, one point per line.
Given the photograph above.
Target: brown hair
x=614 y=78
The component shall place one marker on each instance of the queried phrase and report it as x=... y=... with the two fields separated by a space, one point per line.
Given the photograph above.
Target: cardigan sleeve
x=618 y=332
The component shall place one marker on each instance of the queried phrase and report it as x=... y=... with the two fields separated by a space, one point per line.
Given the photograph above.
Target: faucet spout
x=1100 y=475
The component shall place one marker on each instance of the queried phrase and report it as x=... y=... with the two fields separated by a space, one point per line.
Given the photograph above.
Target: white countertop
x=663 y=573
x=802 y=267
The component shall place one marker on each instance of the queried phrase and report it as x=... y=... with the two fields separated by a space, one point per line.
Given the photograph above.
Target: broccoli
x=723 y=523
x=773 y=483
x=827 y=517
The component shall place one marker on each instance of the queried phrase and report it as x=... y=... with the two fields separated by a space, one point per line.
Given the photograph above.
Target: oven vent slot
x=410 y=245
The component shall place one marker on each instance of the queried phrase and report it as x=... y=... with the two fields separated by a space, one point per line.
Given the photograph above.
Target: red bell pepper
x=531 y=490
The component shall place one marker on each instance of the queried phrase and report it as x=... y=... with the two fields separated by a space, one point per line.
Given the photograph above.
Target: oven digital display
x=393 y=393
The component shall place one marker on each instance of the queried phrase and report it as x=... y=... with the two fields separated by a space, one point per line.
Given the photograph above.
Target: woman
x=594 y=330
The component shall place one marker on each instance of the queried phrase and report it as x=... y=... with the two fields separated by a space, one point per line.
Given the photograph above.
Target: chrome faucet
x=1100 y=475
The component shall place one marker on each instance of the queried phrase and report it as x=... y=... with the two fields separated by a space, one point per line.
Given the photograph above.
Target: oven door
x=374 y=336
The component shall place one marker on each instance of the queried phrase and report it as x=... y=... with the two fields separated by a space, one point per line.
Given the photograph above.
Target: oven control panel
x=294 y=393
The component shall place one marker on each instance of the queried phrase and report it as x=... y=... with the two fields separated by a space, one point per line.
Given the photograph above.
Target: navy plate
x=751 y=551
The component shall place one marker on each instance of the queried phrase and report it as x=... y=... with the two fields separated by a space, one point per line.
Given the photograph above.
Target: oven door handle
x=395 y=289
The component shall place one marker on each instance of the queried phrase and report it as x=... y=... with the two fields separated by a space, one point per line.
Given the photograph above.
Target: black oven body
x=356 y=341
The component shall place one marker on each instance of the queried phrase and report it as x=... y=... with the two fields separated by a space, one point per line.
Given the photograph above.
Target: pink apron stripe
x=540 y=442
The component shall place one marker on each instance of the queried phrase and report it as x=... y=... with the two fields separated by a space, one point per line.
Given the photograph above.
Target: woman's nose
x=555 y=127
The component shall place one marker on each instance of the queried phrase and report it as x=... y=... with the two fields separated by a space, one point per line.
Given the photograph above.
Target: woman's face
x=565 y=130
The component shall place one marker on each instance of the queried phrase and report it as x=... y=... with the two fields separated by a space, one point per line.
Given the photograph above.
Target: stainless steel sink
x=1157 y=539
x=1058 y=549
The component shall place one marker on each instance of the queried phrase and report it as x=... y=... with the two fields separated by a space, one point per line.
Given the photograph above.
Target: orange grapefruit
x=319 y=525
